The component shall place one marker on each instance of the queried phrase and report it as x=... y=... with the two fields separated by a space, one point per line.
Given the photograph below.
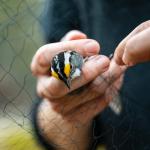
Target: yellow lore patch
x=67 y=70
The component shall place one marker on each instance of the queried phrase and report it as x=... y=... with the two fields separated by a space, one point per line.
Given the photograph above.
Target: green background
x=20 y=37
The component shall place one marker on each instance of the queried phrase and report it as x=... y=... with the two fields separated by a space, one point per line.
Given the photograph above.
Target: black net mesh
x=20 y=37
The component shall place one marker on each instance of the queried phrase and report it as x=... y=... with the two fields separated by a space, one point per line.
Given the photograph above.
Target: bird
x=66 y=66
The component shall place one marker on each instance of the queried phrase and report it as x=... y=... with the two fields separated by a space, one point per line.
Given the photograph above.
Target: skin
x=65 y=118
x=135 y=48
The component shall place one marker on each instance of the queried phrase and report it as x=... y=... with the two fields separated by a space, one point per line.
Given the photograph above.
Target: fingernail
x=92 y=47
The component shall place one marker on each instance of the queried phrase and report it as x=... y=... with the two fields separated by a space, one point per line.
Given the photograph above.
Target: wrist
x=65 y=134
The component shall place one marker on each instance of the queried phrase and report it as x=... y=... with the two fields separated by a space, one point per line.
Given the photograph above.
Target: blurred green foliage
x=18 y=139
x=20 y=37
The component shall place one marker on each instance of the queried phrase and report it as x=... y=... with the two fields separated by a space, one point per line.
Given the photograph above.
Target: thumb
x=137 y=48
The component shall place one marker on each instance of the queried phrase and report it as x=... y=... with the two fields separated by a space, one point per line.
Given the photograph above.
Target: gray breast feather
x=77 y=60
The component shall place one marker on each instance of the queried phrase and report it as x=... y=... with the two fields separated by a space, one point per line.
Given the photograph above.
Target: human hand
x=71 y=113
x=53 y=90
x=135 y=48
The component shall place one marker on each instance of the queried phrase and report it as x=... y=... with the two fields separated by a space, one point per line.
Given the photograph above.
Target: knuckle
x=143 y=26
x=130 y=48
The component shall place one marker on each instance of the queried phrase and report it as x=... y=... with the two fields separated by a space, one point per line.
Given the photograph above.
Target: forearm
x=62 y=133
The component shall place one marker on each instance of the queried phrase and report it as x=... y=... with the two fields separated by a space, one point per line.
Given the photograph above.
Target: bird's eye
x=70 y=66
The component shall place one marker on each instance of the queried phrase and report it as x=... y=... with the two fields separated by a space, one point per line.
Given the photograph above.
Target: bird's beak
x=68 y=82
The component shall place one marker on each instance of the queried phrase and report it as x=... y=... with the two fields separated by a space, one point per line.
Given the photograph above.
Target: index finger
x=118 y=55
x=137 y=49
x=42 y=59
